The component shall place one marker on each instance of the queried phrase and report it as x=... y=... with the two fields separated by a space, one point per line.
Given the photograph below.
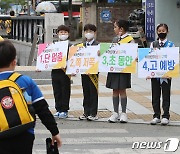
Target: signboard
x=163 y=62
x=111 y=1
x=150 y=20
x=118 y=58
x=52 y=56
x=82 y=60
x=106 y=16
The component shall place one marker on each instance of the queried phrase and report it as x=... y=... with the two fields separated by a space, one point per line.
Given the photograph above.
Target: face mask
x=162 y=35
x=63 y=37
x=89 y=35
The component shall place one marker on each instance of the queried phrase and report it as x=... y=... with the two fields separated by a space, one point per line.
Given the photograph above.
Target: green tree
x=22 y=2
x=5 y=4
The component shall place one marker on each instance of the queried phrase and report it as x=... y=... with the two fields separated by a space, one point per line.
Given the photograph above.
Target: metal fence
x=23 y=28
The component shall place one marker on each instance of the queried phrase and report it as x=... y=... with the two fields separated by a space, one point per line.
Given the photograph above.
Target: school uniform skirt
x=118 y=81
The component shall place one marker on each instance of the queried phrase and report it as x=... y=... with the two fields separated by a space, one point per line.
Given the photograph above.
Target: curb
x=136 y=121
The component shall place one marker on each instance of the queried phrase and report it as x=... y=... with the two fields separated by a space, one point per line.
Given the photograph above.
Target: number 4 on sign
x=145 y=65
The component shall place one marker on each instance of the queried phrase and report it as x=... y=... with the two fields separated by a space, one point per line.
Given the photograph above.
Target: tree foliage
x=5 y=4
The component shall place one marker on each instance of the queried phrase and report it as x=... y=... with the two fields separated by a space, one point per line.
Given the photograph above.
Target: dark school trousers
x=156 y=95
x=61 y=88
x=20 y=144
x=90 y=93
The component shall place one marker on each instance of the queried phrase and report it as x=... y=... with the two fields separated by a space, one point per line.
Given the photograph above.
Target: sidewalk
x=139 y=108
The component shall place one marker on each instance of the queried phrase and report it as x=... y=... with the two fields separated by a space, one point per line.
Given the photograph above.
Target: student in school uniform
x=119 y=82
x=61 y=82
x=159 y=85
x=90 y=81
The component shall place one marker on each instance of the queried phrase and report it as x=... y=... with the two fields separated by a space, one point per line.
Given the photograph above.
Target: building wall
x=23 y=50
x=167 y=12
x=52 y=21
x=105 y=31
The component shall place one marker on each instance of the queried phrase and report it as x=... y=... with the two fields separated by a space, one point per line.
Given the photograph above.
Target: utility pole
x=60 y=7
x=70 y=21
x=28 y=5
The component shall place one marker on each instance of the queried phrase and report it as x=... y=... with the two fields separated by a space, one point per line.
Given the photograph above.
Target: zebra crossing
x=82 y=137
x=102 y=139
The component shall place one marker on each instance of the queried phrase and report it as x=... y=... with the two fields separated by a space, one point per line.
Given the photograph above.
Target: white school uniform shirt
x=123 y=36
x=89 y=43
x=164 y=41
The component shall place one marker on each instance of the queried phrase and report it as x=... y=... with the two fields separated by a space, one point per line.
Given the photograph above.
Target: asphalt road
x=106 y=138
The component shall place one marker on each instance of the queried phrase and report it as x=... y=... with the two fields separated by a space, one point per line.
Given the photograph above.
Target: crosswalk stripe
x=83 y=131
x=108 y=140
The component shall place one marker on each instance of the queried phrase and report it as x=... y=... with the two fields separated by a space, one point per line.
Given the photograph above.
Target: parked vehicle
x=64 y=7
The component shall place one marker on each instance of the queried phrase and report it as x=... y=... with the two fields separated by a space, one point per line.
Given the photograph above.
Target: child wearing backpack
x=13 y=107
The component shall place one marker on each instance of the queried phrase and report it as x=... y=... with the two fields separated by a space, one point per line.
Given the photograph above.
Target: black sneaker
x=83 y=117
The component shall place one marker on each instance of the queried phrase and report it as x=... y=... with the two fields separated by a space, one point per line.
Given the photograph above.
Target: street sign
x=106 y=16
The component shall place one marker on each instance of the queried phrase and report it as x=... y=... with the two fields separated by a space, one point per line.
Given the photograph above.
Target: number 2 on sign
x=72 y=63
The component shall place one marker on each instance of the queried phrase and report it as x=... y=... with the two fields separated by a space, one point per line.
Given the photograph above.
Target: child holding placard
x=161 y=84
x=90 y=81
x=119 y=82
x=61 y=82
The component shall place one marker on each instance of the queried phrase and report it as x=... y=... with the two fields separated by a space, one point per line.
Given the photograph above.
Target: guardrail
x=22 y=28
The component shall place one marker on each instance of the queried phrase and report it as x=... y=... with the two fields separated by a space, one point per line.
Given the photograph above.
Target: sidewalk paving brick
x=139 y=108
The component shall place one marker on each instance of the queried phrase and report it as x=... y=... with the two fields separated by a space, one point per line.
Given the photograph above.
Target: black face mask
x=162 y=35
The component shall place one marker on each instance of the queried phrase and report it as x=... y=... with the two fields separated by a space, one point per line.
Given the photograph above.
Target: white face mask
x=63 y=37
x=89 y=35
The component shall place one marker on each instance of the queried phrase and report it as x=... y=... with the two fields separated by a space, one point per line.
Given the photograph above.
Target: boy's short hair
x=63 y=27
x=90 y=27
x=7 y=53
x=123 y=23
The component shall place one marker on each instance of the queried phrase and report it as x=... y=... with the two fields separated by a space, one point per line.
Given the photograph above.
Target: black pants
x=62 y=88
x=90 y=101
x=21 y=144
x=156 y=94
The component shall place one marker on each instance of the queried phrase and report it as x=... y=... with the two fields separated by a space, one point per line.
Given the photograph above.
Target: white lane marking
x=83 y=131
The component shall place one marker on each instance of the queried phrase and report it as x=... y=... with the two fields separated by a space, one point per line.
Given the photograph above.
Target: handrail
x=21 y=27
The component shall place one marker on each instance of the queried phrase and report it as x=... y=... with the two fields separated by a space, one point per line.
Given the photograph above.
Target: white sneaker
x=123 y=118
x=92 y=118
x=155 y=121
x=114 y=118
x=63 y=115
x=164 y=121
x=56 y=114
